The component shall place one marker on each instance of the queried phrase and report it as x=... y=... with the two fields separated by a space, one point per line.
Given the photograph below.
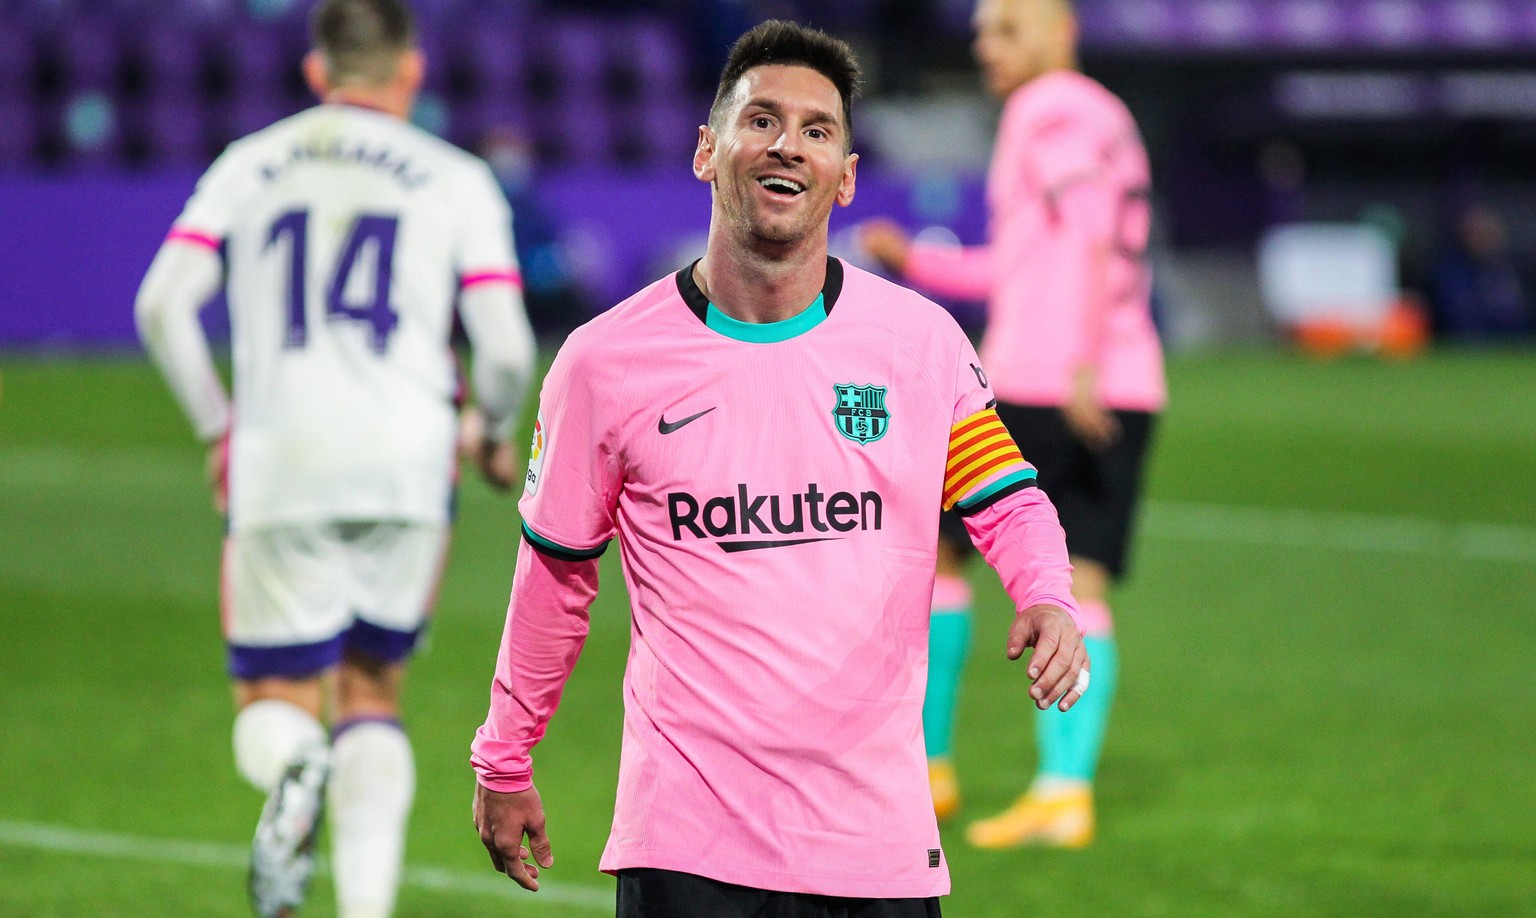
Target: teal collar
x=763 y=332
x=767 y=332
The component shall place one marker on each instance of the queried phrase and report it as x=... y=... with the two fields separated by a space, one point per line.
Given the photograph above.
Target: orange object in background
x=1402 y=333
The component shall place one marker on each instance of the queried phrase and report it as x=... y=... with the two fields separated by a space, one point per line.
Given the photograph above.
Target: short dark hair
x=780 y=42
x=361 y=39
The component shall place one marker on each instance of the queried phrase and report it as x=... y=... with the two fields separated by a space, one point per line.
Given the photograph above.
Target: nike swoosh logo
x=664 y=426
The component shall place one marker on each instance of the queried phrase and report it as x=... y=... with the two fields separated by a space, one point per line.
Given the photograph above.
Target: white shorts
x=295 y=598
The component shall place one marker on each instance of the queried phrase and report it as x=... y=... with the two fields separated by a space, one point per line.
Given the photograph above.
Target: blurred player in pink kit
x=1076 y=363
x=770 y=435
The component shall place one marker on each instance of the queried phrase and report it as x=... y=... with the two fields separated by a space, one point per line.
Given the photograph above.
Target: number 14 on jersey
x=372 y=307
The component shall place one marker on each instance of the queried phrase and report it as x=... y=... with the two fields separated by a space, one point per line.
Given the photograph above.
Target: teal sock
x=949 y=638
x=1069 y=742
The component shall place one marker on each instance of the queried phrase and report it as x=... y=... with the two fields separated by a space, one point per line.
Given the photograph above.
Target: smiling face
x=776 y=156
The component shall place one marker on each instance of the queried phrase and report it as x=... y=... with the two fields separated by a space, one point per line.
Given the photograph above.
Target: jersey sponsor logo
x=746 y=514
x=860 y=413
x=665 y=426
x=981 y=376
x=536 y=456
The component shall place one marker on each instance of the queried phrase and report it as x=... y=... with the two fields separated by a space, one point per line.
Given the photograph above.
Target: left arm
x=1022 y=540
x=1079 y=210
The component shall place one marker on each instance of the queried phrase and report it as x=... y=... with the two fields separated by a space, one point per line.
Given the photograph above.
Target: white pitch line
x=63 y=840
x=1403 y=535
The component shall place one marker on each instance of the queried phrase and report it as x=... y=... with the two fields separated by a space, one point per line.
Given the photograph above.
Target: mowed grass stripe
x=1333 y=531
x=37 y=470
x=183 y=852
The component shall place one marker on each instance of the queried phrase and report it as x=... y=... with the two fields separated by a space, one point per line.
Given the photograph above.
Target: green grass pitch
x=1326 y=706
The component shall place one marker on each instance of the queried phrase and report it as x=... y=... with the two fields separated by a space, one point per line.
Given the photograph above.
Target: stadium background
x=1326 y=708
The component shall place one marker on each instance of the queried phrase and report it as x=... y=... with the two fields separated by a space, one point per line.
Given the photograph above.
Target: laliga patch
x=536 y=456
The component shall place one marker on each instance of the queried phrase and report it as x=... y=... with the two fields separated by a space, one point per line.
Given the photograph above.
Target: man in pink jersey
x=770 y=434
x=1076 y=364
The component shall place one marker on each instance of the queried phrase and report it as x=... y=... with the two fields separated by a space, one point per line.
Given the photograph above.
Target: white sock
x=1056 y=785
x=268 y=736
x=373 y=780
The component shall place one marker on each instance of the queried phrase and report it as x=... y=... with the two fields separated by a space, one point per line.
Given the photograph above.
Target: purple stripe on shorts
x=382 y=644
x=346 y=725
x=289 y=660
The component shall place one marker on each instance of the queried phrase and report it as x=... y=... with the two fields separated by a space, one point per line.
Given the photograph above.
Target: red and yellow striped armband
x=984 y=464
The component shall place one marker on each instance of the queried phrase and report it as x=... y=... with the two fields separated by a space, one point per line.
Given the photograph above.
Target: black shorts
x=645 y=892
x=1095 y=493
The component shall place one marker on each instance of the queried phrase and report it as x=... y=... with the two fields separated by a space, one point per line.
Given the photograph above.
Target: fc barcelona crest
x=860 y=413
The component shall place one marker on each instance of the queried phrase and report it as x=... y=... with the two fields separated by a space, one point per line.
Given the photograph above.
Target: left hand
x=498 y=464
x=1058 y=658
x=496 y=461
x=1087 y=418
x=216 y=470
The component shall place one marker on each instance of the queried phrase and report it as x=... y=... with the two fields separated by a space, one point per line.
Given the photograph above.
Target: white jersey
x=347 y=234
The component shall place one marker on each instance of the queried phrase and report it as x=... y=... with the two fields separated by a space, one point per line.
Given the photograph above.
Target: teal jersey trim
x=768 y=332
x=996 y=486
x=556 y=550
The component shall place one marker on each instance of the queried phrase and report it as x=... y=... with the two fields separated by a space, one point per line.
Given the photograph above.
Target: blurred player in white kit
x=345 y=237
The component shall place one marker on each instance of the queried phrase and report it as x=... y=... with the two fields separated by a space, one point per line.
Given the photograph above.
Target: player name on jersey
x=344 y=150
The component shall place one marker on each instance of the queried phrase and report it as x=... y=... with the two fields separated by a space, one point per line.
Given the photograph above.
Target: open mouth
x=779 y=185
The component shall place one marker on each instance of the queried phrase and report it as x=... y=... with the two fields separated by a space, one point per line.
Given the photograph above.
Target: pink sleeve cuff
x=500 y=765
x=195 y=237
x=476 y=278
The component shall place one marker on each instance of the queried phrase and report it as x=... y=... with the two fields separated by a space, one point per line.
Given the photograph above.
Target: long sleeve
x=546 y=628
x=181 y=279
x=954 y=272
x=503 y=352
x=1022 y=540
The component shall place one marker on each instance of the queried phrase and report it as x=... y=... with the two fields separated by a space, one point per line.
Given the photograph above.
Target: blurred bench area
x=1414 y=120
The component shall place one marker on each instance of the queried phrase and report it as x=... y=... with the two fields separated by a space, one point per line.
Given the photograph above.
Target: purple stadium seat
x=496 y=55
x=671 y=127
x=17 y=58
x=473 y=120
x=18 y=142
x=584 y=129
x=92 y=53
x=173 y=58
x=259 y=60
x=652 y=51
x=248 y=113
x=174 y=129
x=576 y=47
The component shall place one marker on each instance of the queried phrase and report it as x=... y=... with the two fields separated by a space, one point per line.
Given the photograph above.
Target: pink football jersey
x=775 y=490
x=1064 y=272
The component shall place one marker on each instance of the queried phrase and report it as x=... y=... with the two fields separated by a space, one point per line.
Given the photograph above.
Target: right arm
x=186 y=273
x=949 y=271
x=570 y=512
x=546 y=626
x=184 y=276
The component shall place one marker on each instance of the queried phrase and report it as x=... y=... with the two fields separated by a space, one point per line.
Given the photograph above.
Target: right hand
x=502 y=820
x=887 y=243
